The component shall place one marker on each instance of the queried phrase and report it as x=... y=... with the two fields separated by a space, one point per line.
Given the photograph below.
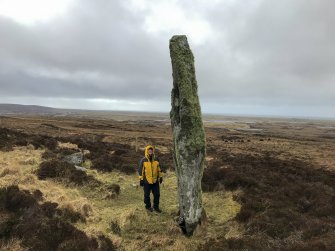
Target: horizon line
x=167 y=112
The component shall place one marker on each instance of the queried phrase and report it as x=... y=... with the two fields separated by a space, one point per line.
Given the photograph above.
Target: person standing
x=150 y=176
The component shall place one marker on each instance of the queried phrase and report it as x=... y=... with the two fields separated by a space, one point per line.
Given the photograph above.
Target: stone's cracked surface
x=189 y=143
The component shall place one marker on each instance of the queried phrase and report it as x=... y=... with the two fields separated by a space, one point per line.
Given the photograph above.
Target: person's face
x=150 y=151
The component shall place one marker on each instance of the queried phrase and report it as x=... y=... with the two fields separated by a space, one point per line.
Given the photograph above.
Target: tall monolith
x=189 y=143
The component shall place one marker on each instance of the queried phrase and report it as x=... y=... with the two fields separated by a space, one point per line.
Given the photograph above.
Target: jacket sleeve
x=140 y=169
x=160 y=174
x=159 y=169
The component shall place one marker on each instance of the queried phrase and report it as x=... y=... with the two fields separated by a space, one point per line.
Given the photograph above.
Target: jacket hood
x=146 y=154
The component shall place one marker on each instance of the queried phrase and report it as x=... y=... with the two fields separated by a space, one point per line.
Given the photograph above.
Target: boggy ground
x=268 y=185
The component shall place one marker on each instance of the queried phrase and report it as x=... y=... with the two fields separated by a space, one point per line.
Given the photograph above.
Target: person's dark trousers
x=155 y=191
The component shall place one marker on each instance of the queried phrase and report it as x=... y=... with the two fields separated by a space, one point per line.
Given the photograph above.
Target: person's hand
x=160 y=180
x=141 y=183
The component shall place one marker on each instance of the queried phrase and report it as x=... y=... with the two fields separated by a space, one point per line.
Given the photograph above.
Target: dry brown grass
x=14 y=171
x=137 y=228
x=123 y=218
x=12 y=245
x=67 y=145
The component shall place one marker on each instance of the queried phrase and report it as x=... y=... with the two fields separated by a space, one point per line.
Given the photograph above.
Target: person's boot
x=156 y=209
x=149 y=209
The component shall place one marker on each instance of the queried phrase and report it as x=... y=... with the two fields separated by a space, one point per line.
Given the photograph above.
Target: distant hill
x=31 y=110
x=15 y=109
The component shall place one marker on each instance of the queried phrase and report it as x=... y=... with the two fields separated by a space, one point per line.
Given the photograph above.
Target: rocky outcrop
x=75 y=158
x=189 y=144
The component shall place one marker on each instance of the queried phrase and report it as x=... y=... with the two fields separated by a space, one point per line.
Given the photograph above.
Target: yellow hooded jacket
x=148 y=170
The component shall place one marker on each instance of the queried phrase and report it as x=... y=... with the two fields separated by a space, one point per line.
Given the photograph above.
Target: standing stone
x=189 y=143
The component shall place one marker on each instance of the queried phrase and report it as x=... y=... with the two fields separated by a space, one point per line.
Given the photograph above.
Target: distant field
x=269 y=183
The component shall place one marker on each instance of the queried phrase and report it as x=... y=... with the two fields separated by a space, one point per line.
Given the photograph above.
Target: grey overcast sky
x=259 y=57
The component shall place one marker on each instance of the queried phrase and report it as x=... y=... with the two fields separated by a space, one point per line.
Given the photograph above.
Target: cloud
x=280 y=52
x=99 y=48
x=258 y=54
x=32 y=11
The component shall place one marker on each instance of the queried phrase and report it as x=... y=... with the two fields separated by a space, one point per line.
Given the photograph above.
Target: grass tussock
x=10 y=138
x=12 y=245
x=52 y=230
x=15 y=173
x=63 y=170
